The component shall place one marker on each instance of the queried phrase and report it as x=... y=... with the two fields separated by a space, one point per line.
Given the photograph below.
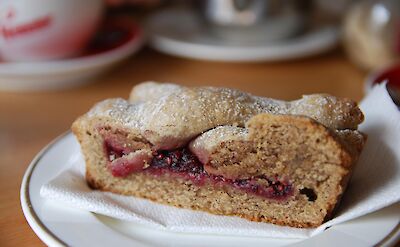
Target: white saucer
x=181 y=33
x=118 y=38
x=58 y=225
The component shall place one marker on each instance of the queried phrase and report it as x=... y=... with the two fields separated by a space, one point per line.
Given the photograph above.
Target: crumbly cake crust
x=313 y=141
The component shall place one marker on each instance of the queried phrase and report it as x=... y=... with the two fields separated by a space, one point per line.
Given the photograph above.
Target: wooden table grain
x=28 y=121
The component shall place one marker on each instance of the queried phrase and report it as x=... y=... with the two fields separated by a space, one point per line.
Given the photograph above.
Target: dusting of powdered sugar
x=330 y=111
x=174 y=114
x=119 y=110
x=151 y=90
x=214 y=137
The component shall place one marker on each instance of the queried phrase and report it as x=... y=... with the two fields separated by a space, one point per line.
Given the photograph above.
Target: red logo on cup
x=8 y=30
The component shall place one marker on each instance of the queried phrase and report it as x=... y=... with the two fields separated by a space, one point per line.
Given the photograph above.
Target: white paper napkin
x=374 y=185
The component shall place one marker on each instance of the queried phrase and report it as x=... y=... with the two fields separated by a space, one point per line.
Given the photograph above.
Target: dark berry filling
x=182 y=163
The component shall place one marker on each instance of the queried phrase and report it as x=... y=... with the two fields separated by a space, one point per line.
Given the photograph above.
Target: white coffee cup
x=35 y=30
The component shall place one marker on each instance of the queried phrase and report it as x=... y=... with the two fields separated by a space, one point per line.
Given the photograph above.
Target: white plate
x=118 y=38
x=181 y=33
x=57 y=225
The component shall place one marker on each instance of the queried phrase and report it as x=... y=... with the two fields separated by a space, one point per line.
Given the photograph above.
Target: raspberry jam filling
x=115 y=148
x=123 y=160
x=182 y=163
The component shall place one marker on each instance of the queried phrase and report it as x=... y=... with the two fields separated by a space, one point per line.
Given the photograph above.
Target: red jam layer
x=182 y=163
x=117 y=151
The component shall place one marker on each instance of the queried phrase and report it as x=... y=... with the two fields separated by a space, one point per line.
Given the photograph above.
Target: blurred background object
x=242 y=30
x=58 y=44
x=145 y=3
x=389 y=75
x=61 y=43
x=252 y=20
x=47 y=29
x=372 y=33
x=116 y=39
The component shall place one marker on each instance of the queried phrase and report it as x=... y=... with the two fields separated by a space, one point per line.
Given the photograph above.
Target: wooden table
x=28 y=121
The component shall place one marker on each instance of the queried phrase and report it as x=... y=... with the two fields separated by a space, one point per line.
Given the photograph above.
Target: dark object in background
x=390 y=75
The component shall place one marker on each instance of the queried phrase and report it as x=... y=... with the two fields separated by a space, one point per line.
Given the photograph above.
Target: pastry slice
x=224 y=151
